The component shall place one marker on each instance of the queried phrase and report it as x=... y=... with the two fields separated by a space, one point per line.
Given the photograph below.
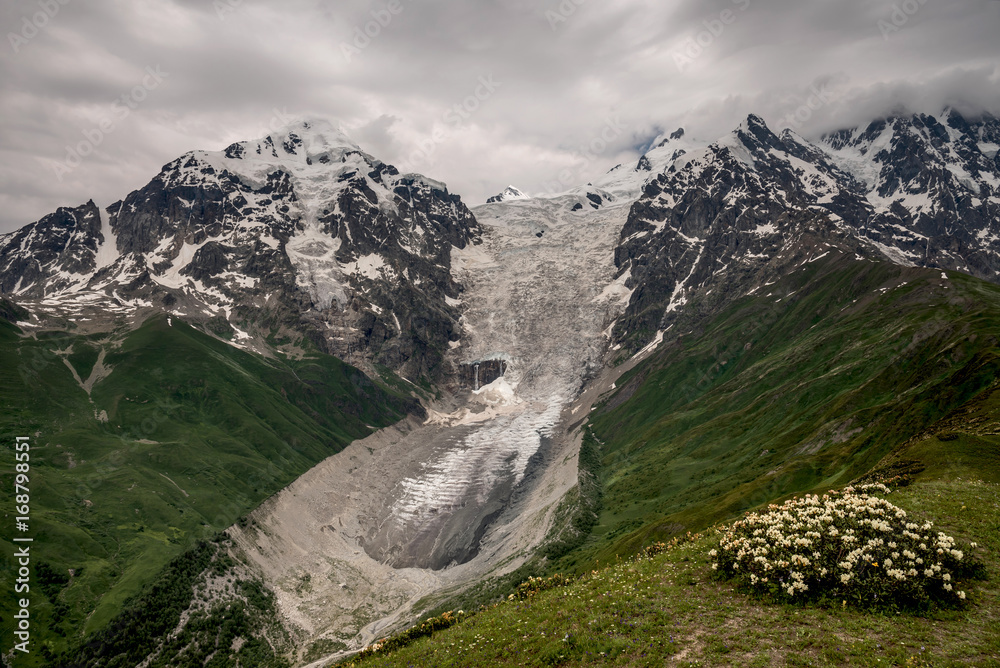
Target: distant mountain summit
x=509 y=193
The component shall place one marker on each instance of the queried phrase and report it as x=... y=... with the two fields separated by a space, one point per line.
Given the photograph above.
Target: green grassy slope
x=668 y=610
x=184 y=436
x=806 y=386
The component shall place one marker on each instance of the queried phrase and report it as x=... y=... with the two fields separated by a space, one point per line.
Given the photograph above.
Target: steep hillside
x=845 y=369
x=402 y=521
x=145 y=441
x=916 y=190
x=172 y=355
x=807 y=383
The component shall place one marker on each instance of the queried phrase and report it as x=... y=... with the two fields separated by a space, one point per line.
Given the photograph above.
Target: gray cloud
x=562 y=70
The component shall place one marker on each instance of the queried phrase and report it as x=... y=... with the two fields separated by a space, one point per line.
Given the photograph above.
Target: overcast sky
x=478 y=94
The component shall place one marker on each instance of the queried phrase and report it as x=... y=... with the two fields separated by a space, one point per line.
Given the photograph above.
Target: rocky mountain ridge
x=302 y=234
x=509 y=193
x=713 y=223
x=297 y=234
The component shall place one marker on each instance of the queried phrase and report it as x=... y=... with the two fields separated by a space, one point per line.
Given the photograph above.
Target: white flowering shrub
x=843 y=546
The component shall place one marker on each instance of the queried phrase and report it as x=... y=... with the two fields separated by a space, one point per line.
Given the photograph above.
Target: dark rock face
x=209 y=260
x=11 y=312
x=475 y=375
x=939 y=188
x=303 y=232
x=403 y=311
x=914 y=189
x=35 y=260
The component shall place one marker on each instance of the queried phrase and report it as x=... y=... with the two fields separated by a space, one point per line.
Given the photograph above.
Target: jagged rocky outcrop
x=301 y=233
x=48 y=254
x=474 y=375
x=298 y=233
x=934 y=184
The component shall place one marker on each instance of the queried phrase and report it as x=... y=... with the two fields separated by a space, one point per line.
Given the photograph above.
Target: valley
x=398 y=521
x=287 y=386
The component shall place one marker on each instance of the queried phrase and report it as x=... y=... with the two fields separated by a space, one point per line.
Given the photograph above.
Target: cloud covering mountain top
x=97 y=96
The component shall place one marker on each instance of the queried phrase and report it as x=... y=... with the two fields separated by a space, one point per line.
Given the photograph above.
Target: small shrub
x=533 y=585
x=400 y=640
x=843 y=547
x=652 y=550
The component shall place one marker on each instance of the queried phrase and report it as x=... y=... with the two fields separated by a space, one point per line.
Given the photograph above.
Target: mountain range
x=303 y=230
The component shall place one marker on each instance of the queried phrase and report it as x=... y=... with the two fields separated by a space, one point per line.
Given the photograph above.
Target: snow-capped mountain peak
x=309 y=149
x=669 y=149
x=916 y=190
x=509 y=193
x=299 y=229
x=338 y=224
x=307 y=140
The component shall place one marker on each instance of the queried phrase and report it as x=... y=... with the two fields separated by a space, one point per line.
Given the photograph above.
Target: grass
x=185 y=435
x=147 y=630
x=669 y=610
